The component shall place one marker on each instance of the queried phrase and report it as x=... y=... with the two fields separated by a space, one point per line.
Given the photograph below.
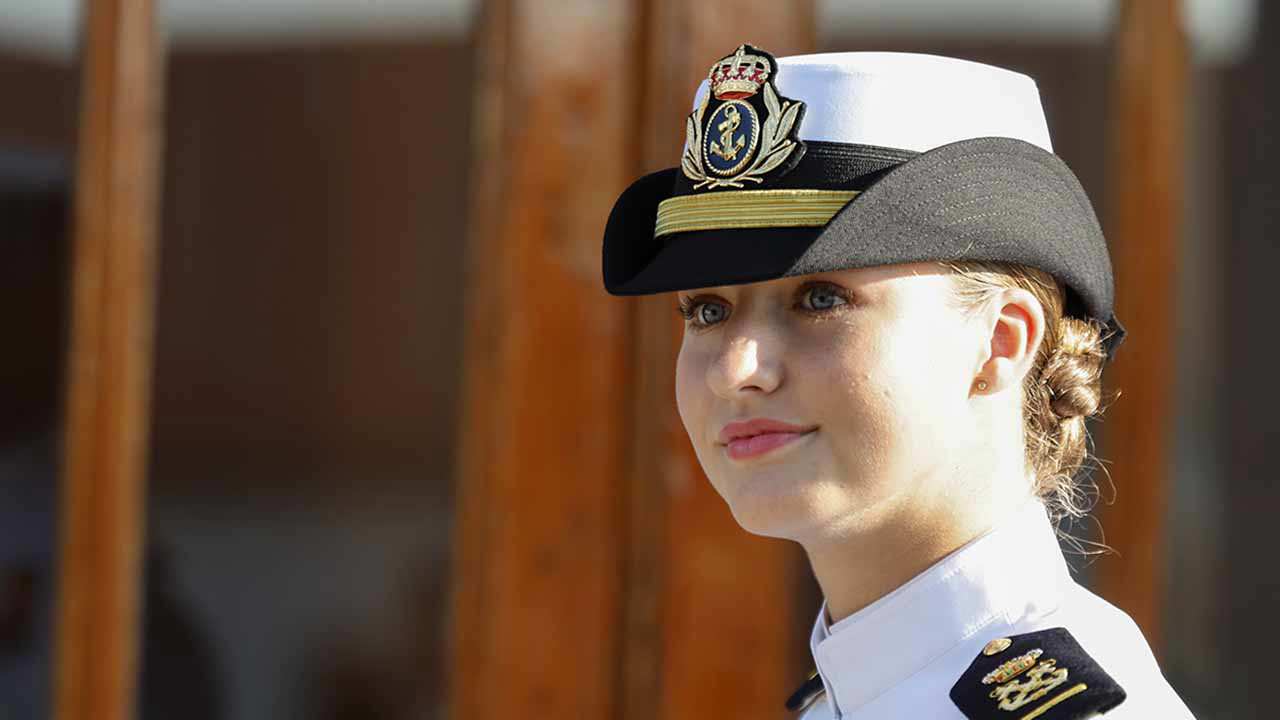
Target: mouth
x=763 y=444
x=756 y=438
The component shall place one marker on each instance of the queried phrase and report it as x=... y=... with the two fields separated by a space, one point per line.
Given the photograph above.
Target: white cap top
x=908 y=101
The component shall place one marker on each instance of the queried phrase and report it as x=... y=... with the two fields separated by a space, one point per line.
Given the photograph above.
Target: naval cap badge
x=743 y=130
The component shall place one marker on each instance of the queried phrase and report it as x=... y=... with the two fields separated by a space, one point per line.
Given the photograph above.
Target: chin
x=769 y=523
x=802 y=504
x=770 y=504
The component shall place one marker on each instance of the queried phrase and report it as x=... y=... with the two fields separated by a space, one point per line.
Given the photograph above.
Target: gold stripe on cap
x=736 y=209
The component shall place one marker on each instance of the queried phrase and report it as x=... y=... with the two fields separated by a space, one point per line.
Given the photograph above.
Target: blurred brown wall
x=310 y=286
x=37 y=121
x=37 y=107
x=306 y=355
x=312 y=237
x=1250 y=430
x=307 y=362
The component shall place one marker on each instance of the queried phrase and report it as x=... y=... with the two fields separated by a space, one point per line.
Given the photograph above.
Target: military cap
x=816 y=163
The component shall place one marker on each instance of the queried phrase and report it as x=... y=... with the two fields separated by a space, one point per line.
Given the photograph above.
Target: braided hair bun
x=1062 y=390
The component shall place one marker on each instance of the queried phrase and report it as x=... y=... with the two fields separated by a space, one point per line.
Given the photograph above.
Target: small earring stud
x=982 y=386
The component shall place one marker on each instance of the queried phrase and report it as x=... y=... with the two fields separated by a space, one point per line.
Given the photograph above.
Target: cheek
x=690 y=390
x=925 y=372
x=886 y=395
x=861 y=396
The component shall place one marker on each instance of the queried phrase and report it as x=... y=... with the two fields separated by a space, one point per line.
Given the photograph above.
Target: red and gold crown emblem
x=738 y=75
x=743 y=130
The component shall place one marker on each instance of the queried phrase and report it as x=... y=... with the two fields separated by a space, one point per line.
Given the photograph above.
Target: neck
x=855 y=566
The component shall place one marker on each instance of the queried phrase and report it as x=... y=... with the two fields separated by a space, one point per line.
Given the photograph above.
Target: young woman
x=898 y=306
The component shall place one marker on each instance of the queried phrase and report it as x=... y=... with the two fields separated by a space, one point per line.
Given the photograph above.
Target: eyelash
x=688 y=306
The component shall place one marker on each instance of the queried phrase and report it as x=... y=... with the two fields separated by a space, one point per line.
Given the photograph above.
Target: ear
x=1017 y=329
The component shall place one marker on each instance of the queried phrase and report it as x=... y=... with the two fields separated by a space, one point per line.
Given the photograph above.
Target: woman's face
x=827 y=403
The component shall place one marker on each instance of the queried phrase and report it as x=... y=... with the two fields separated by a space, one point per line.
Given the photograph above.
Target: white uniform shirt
x=900 y=656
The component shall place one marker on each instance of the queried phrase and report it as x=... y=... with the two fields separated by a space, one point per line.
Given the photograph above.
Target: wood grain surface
x=105 y=446
x=1146 y=165
x=541 y=495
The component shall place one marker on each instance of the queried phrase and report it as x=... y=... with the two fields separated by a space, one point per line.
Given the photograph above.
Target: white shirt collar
x=1014 y=569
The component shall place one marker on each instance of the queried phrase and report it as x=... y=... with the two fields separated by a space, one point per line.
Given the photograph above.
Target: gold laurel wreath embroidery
x=775 y=146
x=691 y=161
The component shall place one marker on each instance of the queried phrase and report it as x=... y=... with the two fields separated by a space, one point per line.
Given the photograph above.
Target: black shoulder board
x=804 y=695
x=1044 y=674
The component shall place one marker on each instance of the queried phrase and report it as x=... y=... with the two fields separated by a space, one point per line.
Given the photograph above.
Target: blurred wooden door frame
x=109 y=367
x=538 y=529
x=596 y=573
x=1146 y=156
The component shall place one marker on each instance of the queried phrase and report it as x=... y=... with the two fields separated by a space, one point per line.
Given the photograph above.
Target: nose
x=742 y=367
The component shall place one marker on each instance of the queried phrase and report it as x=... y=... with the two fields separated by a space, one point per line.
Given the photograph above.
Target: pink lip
x=753 y=438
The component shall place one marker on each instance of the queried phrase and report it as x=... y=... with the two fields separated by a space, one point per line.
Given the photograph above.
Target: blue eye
x=703 y=313
x=709 y=313
x=822 y=297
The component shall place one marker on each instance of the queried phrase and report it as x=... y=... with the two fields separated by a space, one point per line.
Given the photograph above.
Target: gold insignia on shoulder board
x=1039 y=681
x=1042 y=675
x=1013 y=668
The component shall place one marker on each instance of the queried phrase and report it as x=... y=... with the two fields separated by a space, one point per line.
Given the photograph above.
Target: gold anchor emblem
x=744 y=145
x=727 y=148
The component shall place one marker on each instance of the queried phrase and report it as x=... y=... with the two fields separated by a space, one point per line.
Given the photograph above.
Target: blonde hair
x=1062 y=390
